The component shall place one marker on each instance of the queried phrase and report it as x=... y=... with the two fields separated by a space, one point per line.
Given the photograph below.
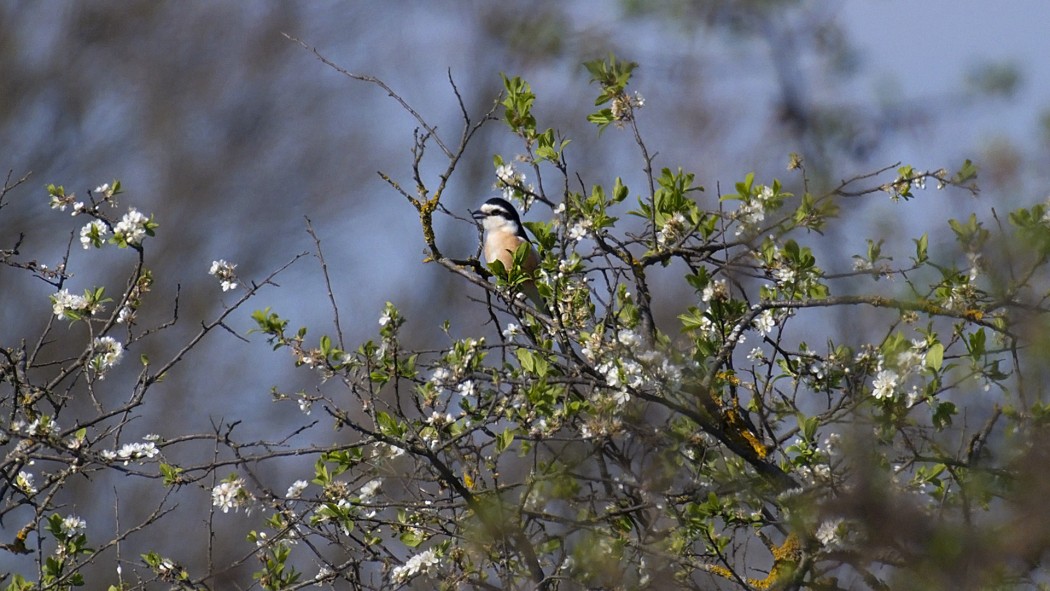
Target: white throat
x=495 y=223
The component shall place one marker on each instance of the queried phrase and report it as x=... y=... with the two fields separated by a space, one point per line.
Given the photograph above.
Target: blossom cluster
x=627 y=366
x=342 y=502
x=624 y=106
x=672 y=231
x=296 y=489
x=72 y=525
x=425 y=563
x=66 y=304
x=225 y=273
x=132 y=228
x=581 y=229
x=133 y=451
x=457 y=363
x=390 y=320
x=792 y=271
x=829 y=534
x=814 y=462
x=94 y=233
x=892 y=374
x=42 y=426
x=127 y=312
x=108 y=352
x=752 y=211
x=24 y=482
x=715 y=290
x=231 y=494
x=59 y=200
x=765 y=322
x=512 y=184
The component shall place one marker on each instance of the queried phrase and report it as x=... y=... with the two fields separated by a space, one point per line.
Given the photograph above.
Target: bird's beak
x=477 y=215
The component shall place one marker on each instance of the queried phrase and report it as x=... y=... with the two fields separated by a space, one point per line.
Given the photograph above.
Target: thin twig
x=327 y=281
x=373 y=80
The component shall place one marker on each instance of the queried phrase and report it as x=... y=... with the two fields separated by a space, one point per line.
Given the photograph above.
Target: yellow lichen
x=739 y=427
x=785 y=560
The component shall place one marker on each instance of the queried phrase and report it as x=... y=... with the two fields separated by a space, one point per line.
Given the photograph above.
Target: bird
x=504 y=234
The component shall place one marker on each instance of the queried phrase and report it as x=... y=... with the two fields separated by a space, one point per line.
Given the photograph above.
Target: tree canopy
x=808 y=418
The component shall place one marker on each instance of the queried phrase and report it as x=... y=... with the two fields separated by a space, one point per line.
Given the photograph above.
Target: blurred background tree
x=229 y=133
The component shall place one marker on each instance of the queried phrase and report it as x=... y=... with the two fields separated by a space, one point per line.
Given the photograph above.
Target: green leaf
x=935 y=356
x=619 y=192
x=975 y=344
x=503 y=440
x=942 y=414
x=921 y=245
x=411 y=538
x=388 y=425
x=808 y=426
x=171 y=474
x=967 y=172
x=532 y=363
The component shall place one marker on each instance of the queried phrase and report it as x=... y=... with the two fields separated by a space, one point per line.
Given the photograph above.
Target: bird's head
x=498 y=214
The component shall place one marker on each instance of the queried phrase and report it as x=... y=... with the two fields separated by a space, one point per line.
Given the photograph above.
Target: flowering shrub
x=611 y=438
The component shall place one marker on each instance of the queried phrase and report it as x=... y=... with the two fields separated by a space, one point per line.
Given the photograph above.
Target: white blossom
x=511 y=331
x=508 y=176
x=132 y=451
x=912 y=360
x=43 y=426
x=750 y=215
x=126 y=314
x=369 y=489
x=224 y=272
x=441 y=376
x=467 y=388
x=132 y=227
x=422 y=563
x=884 y=384
x=828 y=532
x=230 y=495
x=672 y=230
x=580 y=230
x=913 y=396
x=623 y=107
x=93 y=233
x=24 y=482
x=716 y=290
x=73 y=525
x=612 y=373
x=785 y=275
x=60 y=202
x=437 y=419
x=63 y=301
x=296 y=489
x=105 y=190
x=108 y=352
x=388 y=451
x=628 y=338
x=861 y=264
x=765 y=323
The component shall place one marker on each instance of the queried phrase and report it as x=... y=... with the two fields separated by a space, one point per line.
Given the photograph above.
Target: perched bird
x=503 y=235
